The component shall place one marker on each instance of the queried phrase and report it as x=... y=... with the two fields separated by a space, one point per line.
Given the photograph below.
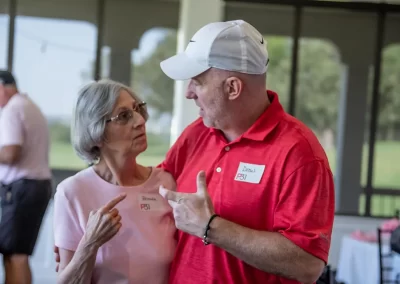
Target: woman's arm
x=77 y=267
x=103 y=224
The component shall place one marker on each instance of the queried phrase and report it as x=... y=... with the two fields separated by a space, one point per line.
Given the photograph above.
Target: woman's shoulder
x=77 y=182
x=163 y=177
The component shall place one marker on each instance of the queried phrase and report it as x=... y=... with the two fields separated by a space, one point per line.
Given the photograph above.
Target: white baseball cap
x=232 y=45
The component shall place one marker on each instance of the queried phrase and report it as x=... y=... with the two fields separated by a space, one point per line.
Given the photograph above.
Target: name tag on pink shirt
x=151 y=202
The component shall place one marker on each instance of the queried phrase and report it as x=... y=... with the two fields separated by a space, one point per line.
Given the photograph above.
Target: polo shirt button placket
x=218 y=169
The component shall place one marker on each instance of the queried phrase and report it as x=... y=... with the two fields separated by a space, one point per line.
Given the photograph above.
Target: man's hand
x=10 y=154
x=192 y=211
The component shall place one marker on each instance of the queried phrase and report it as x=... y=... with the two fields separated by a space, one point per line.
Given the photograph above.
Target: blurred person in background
x=25 y=178
x=111 y=225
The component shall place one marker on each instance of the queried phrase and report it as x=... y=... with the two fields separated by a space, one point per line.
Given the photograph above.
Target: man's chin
x=208 y=123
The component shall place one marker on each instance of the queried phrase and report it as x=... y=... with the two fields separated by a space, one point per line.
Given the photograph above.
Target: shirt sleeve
x=175 y=158
x=182 y=150
x=169 y=162
x=67 y=230
x=12 y=127
x=305 y=211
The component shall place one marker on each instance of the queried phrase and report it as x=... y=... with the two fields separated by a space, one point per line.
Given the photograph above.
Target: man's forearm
x=9 y=154
x=267 y=251
x=4 y=158
x=79 y=270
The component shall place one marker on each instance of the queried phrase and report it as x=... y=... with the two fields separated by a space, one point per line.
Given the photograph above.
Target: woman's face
x=125 y=132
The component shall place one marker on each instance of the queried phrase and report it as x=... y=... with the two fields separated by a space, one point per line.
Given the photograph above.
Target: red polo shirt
x=275 y=177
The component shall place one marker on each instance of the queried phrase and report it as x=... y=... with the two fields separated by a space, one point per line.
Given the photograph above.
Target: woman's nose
x=138 y=120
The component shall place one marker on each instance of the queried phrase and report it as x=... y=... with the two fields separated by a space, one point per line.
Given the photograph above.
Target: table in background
x=359 y=262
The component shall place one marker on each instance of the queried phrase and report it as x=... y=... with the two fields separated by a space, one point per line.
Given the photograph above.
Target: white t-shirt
x=22 y=123
x=143 y=249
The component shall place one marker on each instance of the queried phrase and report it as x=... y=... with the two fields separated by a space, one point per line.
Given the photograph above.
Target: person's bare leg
x=17 y=269
x=4 y=264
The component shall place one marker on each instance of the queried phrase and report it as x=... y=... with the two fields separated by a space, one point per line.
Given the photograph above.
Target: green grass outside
x=62 y=156
x=386 y=168
x=386 y=165
x=380 y=205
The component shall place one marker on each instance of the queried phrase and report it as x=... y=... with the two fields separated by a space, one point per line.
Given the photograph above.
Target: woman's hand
x=104 y=223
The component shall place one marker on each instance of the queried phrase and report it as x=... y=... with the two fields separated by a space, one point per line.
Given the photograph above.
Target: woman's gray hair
x=94 y=106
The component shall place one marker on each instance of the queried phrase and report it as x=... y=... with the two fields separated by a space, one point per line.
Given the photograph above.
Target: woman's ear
x=233 y=87
x=101 y=143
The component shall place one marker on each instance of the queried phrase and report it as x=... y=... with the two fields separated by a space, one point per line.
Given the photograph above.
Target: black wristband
x=208 y=228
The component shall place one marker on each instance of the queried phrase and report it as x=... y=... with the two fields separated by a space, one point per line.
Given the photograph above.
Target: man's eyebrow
x=196 y=79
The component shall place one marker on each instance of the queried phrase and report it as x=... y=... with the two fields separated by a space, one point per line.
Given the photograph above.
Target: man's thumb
x=201 y=183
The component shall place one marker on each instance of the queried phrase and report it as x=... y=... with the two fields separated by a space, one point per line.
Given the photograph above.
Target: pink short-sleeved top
x=143 y=249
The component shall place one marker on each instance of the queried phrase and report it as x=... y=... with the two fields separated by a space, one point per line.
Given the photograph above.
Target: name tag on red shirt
x=250 y=173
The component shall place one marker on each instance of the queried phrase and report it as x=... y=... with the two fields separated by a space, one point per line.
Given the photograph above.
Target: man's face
x=3 y=99
x=6 y=92
x=208 y=93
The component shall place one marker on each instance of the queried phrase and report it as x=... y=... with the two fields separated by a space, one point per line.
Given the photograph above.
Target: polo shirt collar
x=267 y=121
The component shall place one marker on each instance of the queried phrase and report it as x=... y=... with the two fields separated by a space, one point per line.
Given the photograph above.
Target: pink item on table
x=390 y=225
x=364 y=236
x=387 y=227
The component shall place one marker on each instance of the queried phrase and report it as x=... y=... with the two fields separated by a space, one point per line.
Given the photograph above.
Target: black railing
x=380 y=202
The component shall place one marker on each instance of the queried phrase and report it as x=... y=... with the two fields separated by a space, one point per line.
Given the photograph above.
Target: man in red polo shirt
x=253 y=182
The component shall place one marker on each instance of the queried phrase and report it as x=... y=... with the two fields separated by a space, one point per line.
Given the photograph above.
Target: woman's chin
x=144 y=147
x=139 y=147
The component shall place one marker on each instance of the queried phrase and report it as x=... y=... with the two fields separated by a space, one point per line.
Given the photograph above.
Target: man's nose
x=190 y=94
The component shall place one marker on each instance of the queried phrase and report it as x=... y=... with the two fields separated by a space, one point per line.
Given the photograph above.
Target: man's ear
x=233 y=87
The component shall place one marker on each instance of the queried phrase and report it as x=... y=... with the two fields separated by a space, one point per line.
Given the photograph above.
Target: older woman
x=110 y=223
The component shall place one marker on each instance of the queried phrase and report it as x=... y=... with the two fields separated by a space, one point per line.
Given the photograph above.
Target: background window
x=50 y=65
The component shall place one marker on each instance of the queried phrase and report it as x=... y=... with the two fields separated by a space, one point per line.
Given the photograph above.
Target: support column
x=351 y=129
x=12 y=12
x=120 y=65
x=120 y=34
x=193 y=15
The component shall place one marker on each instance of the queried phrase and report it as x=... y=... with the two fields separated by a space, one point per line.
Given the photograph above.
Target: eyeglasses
x=125 y=116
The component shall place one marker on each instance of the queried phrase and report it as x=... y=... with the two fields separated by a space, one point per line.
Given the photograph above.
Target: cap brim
x=181 y=67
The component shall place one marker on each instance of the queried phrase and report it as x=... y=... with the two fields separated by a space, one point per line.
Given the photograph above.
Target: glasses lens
x=141 y=109
x=124 y=117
